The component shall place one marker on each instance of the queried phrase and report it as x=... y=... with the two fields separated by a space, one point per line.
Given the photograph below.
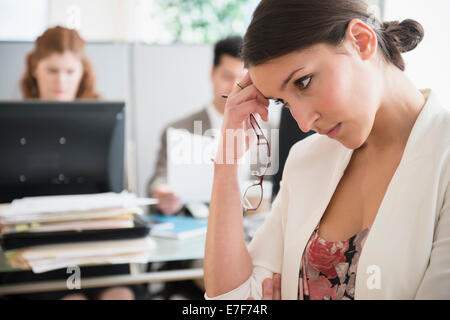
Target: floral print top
x=329 y=268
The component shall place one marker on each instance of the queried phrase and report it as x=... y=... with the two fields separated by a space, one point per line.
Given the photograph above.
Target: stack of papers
x=53 y=257
x=49 y=233
x=70 y=220
x=33 y=206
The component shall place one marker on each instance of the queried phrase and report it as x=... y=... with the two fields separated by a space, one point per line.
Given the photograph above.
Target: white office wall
x=428 y=65
x=96 y=20
x=99 y=20
x=170 y=82
x=23 y=19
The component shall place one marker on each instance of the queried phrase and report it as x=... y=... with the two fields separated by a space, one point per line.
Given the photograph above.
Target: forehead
x=227 y=61
x=278 y=69
x=67 y=58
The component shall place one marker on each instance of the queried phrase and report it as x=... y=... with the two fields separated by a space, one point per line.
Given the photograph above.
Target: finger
x=166 y=205
x=267 y=289
x=244 y=82
x=168 y=197
x=163 y=204
x=163 y=200
x=164 y=192
x=253 y=106
x=159 y=196
x=262 y=99
x=240 y=113
x=166 y=202
x=162 y=188
x=276 y=286
x=248 y=93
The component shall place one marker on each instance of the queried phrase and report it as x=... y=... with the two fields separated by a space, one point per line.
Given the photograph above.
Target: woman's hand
x=237 y=132
x=227 y=263
x=271 y=288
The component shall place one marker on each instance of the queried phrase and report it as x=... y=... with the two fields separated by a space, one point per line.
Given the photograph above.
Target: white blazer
x=407 y=252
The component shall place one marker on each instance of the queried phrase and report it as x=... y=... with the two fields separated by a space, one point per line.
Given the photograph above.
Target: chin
x=352 y=139
x=63 y=98
x=352 y=144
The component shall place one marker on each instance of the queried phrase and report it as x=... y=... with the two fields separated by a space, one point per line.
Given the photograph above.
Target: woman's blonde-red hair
x=58 y=40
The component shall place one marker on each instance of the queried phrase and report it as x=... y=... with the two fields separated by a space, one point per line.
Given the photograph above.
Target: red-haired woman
x=58 y=70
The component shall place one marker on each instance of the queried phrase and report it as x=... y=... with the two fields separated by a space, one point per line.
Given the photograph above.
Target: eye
x=303 y=83
x=227 y=76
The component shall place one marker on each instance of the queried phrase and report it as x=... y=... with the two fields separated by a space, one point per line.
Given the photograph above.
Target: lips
x=328 y=131
x=325 y=132
x=333 y=132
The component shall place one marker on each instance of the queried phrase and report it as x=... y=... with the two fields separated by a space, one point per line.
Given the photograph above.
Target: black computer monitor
x=57 y=148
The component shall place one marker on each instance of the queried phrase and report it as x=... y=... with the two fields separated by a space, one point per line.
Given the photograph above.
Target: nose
x=305 y=118
x=60 y=77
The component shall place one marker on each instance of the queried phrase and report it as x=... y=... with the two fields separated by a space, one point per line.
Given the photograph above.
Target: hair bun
x=405 y=35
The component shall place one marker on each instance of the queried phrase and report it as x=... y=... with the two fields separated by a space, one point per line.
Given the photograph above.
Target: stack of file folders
x=55 y=232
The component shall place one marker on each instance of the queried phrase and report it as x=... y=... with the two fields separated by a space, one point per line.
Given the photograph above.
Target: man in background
x=227 y=70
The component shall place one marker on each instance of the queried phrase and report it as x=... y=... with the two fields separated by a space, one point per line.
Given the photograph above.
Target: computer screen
x=57 y=148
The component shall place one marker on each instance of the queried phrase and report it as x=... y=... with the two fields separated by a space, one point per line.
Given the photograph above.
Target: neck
x=398 y=111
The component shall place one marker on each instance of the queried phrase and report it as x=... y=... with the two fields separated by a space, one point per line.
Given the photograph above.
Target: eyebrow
x=285 y=82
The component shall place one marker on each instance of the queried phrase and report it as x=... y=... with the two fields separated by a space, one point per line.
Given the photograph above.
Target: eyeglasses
x=262 y=150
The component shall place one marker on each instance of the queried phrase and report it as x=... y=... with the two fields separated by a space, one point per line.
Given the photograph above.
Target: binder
x=29 y=239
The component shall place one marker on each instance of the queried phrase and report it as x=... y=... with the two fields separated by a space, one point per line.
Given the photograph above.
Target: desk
x=166 y=250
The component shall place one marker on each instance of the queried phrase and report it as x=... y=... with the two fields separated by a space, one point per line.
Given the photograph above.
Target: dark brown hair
x=58 y=40
x=280 y=27
x=231 y=46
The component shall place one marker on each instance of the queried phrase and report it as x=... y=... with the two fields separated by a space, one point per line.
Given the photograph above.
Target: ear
x=362 y=38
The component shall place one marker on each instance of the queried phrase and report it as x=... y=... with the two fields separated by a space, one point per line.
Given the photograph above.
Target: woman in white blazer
x=372 y=186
